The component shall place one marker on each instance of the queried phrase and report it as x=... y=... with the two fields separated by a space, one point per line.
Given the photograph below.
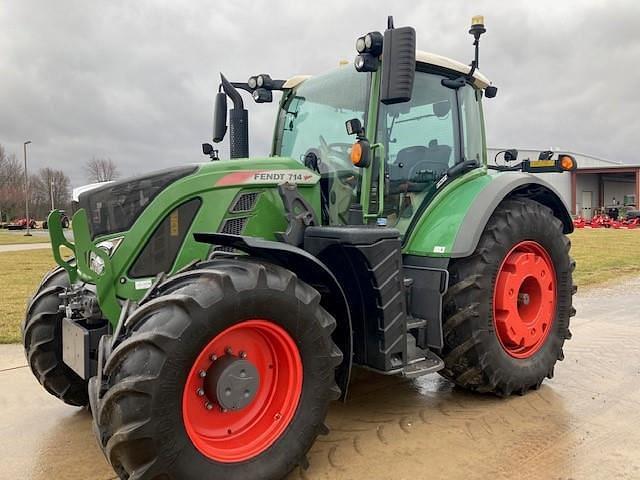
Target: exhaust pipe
x=238 y=122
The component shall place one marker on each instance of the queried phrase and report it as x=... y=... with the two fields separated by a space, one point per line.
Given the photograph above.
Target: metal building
x=597 y=186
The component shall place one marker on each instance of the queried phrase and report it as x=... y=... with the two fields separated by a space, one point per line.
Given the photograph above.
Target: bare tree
x=11 y=186
x=46 y=186
x=101 y=170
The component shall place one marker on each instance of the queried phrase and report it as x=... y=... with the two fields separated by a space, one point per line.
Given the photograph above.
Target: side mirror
x=207 y=148
x=220 y=117
x=398 y=65
x=354 y=127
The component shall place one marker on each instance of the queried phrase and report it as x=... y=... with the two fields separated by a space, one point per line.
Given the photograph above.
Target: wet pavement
x=583 y=424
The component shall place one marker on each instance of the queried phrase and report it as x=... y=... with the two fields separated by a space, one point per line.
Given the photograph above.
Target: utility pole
x=51 y=191
x=26 y=188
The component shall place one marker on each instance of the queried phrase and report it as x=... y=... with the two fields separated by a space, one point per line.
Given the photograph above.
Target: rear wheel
x=42 y=340
x=508 y=306
x=227 y=373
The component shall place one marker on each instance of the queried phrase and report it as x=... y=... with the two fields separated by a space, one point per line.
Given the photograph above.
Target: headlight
x=96 y=263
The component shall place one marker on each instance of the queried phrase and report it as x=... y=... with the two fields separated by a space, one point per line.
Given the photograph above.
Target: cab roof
x=421 y=57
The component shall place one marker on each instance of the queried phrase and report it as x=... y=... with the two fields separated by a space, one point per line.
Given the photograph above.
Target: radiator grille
x=234 y=226
x=245 y=202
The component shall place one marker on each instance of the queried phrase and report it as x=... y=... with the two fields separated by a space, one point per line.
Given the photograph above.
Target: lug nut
x=228 y=351
x=223 y=410
x=208 y=406
x=213 y=357
x=200 y=392
x=202 y=374
x=243 y=354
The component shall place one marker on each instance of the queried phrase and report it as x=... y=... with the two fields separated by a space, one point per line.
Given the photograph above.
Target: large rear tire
x=42 y=340
x=156 y=415
x=508 y=306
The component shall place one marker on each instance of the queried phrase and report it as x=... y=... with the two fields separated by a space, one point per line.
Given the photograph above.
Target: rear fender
x=310 y=270
x=451 y=225
x=502 y=187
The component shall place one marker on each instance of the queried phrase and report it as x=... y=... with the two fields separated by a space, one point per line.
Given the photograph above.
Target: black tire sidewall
x=540 y=228
x=314 y=347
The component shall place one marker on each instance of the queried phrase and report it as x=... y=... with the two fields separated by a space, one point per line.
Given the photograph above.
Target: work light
x=264 y=81
x=262 y=95
x=370 y=43
x=373 y=43
x=365 y=62
x=252 y=82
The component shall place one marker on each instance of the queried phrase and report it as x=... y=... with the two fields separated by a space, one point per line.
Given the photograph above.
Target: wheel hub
x=236 y=405
x=232 y=382
x=524 y=300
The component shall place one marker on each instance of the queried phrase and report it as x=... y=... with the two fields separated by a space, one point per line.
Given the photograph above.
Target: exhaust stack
x=238 y=121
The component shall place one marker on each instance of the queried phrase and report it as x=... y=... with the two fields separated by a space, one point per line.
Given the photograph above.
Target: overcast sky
x=134 y=81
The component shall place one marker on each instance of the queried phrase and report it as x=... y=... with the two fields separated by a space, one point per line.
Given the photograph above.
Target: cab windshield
x=311 y=129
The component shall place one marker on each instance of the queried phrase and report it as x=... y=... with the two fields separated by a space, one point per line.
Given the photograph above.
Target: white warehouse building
x=597 y=186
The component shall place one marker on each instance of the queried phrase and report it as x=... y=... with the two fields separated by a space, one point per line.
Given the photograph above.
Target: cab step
x=431 y=363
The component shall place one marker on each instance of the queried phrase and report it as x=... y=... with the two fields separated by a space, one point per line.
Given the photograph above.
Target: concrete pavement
x=23 y=246
x=583 y=424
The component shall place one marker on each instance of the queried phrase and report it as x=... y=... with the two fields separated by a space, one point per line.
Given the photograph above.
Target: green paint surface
x=435 y=232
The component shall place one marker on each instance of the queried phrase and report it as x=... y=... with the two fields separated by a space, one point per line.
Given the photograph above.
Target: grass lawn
x=17 y=236
x=601 y=254
x=604 y=254
x=20 y=274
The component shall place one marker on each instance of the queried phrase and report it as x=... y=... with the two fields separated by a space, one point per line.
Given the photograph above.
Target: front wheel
x=42 y=340
x=508 y=306
x=227 y=374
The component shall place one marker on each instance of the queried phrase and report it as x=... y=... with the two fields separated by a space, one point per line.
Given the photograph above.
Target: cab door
x=422 y=139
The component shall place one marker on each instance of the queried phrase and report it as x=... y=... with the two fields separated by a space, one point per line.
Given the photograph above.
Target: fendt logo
x=269 y=177
x=283 y=176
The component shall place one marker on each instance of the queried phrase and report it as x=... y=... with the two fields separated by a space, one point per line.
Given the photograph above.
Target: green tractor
x=212 y=312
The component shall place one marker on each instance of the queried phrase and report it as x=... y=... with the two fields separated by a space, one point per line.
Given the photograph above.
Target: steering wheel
x=338 y=150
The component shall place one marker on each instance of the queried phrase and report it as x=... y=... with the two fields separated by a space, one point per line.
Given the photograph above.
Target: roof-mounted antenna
x=477 y=29
x=390 y=22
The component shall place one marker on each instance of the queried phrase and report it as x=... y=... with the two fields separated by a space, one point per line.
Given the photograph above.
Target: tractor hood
x=127 y=232
x=116 y=206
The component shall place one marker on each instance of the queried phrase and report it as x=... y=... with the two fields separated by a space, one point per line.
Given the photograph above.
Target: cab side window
x=471 y=117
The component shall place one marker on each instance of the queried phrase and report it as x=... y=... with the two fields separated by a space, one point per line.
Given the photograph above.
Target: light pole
x=26 y=188
x=51 y=191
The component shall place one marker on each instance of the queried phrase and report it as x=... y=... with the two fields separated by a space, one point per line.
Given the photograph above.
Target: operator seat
x=411 y=160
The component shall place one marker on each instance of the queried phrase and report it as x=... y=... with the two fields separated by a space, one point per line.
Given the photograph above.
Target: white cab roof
x=85 y=188
x=423 y=57
x=440 y=61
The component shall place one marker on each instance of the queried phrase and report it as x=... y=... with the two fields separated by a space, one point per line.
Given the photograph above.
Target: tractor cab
x=419 y=123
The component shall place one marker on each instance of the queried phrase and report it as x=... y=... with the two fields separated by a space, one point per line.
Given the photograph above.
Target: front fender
x=310 y=270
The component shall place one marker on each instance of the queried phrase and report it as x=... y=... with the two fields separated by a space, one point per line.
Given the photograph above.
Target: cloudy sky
x=134 y=81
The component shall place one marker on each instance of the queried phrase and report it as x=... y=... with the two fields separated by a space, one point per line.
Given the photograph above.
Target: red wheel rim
x=524 y=300
x=236 y=436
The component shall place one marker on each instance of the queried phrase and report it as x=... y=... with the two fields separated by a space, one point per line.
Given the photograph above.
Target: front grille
x=244 y=202
x=234 y=226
